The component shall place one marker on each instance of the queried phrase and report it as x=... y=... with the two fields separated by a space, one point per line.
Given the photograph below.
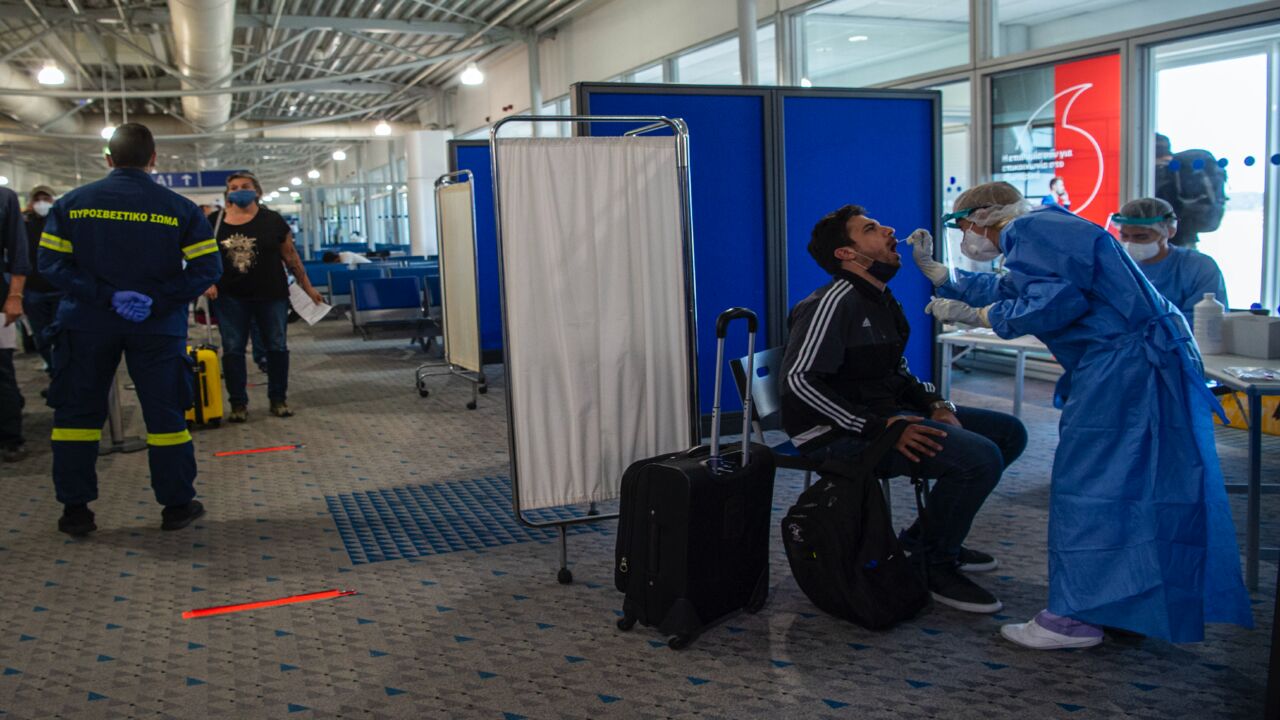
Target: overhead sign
x=182 y=179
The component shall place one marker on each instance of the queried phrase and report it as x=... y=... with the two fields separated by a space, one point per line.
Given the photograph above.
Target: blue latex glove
x=130 y=305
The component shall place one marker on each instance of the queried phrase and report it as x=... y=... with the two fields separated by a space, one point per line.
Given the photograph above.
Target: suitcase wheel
x=680 y=642
x=625 y=623
x=564 y=577
x=216 y=422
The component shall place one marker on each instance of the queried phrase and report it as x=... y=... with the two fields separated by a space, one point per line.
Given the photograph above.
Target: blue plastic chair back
x=395 y=293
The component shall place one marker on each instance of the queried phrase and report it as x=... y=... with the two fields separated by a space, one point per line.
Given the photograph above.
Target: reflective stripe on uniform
x=166 y=439
x=53 y=242
x=76 y=434
x=204 y=247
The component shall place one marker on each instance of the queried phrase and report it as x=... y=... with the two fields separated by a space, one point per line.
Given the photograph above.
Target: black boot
x=76 y=520
x=176 y=517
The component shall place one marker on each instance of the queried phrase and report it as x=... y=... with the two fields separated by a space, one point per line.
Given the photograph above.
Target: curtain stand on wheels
x=648 y=123
x=479 y=385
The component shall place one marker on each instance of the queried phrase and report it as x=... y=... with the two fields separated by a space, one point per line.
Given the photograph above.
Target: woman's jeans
x=235 y=318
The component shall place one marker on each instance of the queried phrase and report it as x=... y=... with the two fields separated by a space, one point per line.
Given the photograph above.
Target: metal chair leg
x=885 y=486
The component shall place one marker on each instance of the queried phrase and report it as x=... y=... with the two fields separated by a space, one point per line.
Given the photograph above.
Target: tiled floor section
x=92 y=628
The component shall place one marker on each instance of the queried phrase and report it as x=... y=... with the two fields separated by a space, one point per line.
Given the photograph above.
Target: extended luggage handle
x=722 y=326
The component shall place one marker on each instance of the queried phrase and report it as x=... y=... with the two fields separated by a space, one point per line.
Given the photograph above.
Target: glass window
x=956 y=119
x=1211 y=104
x=1023 y=25
x=651 y=74
x=855 y=43
x=712 y=65
x=767 y=55
x=1055 y=134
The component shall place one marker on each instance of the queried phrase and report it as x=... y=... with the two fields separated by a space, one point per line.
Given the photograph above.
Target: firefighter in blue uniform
x=130 y=255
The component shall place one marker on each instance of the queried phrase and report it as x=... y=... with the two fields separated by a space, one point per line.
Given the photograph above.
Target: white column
x=749 y=66
x=427 y=158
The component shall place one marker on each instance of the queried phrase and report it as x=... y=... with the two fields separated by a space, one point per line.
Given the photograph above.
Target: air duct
x=35 y=110
x=202 y=31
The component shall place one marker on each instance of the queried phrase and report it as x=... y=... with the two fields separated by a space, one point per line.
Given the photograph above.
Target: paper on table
x=1254 y=373
x=305 y=307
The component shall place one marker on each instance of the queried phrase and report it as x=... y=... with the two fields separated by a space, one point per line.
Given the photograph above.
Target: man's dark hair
x=830 y=235
x=1163 y=147
x=131 y=146
x=330 y=257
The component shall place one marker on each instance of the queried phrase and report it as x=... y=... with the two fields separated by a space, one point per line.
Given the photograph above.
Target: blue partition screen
x=476 y=159
x=875 y=152
x=727 y=168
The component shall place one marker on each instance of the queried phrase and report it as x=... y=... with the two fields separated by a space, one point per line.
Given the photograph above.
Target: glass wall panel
x=855 y=43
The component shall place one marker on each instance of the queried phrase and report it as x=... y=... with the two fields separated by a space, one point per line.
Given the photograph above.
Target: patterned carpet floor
x=458 y=612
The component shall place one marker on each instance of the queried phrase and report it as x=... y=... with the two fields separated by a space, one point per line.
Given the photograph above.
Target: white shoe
x=1032 y=635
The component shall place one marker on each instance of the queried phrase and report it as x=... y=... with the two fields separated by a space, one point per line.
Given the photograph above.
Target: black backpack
x=1194 y=184
x=843 y=551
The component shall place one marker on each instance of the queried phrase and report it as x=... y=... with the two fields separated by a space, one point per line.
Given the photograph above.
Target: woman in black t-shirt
x=256 y=246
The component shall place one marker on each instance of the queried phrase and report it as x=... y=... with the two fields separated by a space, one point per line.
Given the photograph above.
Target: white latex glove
x=921 y=243
x=957 y=312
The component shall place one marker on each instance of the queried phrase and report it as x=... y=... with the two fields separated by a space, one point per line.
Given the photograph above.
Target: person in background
x=40 y=301
x=345 y=257
x=1057 y=194
x=1140 y=532
x=256 y=245
x=1181 y=274
x=131 y=255
x=845 y=382
x=15 y=262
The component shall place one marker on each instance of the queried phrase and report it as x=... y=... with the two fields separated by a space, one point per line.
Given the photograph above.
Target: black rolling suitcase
x=694 y=527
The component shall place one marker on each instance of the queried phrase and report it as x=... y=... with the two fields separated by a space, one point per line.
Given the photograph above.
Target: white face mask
x=41 y=207
x=977 y=247
x=1142 y=251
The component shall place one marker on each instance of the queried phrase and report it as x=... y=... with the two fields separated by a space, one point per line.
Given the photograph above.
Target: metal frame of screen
x=775 y=181
x=490 y=313
x=681 y=140
x=448 y=367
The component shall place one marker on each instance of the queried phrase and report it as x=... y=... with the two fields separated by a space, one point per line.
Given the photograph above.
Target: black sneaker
x=76 y=520
x=951 y=587
x=976 y=561
x=180 y=516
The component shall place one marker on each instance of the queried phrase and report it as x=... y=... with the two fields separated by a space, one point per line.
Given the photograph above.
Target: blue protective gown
x=1140 y=533
x=1184 y=276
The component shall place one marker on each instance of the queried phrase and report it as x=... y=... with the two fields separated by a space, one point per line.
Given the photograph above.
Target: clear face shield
x=1141 y=236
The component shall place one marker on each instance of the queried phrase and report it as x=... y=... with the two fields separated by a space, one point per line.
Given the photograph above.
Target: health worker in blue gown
x=1181 y=274
x=1140 y=533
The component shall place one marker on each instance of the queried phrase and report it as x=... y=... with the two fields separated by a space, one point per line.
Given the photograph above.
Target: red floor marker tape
x=224 y=609
x=277 y=448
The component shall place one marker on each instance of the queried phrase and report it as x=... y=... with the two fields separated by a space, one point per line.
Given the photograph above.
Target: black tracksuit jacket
x=843 y=372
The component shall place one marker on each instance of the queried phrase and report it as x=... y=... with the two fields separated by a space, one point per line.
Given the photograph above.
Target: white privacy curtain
x=458 y=273
x=593 y=267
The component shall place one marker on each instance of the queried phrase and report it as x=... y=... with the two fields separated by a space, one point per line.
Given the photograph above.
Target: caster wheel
x=483 y=389
x=423 y=392
x=626 y=623
x=216 y=422
x=679 y=642
x=471 y=406
x=564 y=577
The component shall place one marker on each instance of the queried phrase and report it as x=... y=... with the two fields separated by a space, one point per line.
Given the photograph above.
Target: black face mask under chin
x=881 y=271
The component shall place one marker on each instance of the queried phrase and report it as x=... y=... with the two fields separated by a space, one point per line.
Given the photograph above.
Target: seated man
x=1181 y=274
x=345 y=257
x=845 y=381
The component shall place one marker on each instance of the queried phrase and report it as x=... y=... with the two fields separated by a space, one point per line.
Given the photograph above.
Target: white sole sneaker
x=981 y=609
x=980 y=567
x=1032 y=635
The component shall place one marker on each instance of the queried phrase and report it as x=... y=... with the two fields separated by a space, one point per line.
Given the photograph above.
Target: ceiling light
x=293 y=108
x=339 y=155
x=51 y=74
x=283 y=189
x=295 y=181
x=472 y=75
x=382 y=128
x=806 y=82
x=858 y=38
x=108 y=131
x=390 y=187
x=314 y=174
x=4 y=180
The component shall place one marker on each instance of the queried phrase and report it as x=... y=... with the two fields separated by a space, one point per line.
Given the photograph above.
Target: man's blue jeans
x=966 y=470
x=235 y=317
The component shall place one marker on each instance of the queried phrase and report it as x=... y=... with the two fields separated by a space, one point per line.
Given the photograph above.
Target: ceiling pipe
x=36 y=110
x=202 y=31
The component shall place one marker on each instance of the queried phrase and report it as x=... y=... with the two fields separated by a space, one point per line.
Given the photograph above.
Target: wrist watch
x=943 y=405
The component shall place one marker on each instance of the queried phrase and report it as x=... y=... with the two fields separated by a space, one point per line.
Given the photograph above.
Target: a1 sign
x=182 y=179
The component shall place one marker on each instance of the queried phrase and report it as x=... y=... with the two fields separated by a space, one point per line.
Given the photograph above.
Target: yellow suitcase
x=206 y=387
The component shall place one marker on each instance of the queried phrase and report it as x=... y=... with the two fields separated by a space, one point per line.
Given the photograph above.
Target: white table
x=1215 y=369
x=983 y=338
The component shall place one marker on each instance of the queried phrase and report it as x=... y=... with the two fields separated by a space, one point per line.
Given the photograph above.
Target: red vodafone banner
x=1086 y=134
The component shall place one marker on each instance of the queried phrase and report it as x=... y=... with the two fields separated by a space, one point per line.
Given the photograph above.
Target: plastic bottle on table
x=1208 y=325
